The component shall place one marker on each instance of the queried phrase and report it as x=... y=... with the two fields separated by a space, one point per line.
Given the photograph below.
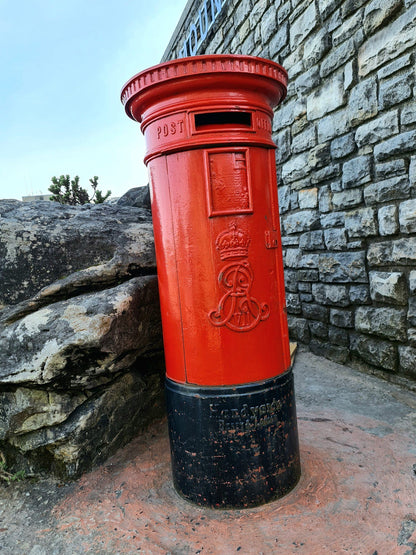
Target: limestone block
x=333 y=352
x=412 y=282
x=326 y=173
x=389 y=42
x=395 y=90
x=337 y=57
x=305 y=140
x=411 y=315
x=350 y=75
x=361 y=222
x=314 y=311
x=298 y=329
x=284 y=199
x=283 y=11
x=363 y=102
x=359 y=294
x=347 y=199
x=407 y=216
x=342 y=146
x=412 y=171
x=326 y=7
x=405 y=142
x=292 y=258
x=333 y=219
x=407 y=358
x=303 y=26
x=348 y=28
x=395 y=188
x=268 y=24
x=316 y=47
x=295 y=168
x=318 y=329
x=308 y=275
x=343 y=267
x=341 y=318
x=280 y=38
x=325 y=199
x=335 y=239
x=374 y=351
x=381 y=127
x=257 y=11
x=378 y=12
x=287 y=113
x=390 y=168
x=319 y=156
x=293 y=303
x=408 y=115
x=351 y=6
x=394 y=66
x=312 y=240
x=338 y=336
x=356 y=172
x=282 y=141
x=328 y=98
x=291 y=280
x=308 y=198
x=389 y=323
x=301 y=221
x=307 y=80
x=388 y=287
x=333 y=295
x=332 y=126
x=388 y=220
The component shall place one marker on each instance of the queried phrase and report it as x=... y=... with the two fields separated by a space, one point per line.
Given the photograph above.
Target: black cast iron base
x=234 y=446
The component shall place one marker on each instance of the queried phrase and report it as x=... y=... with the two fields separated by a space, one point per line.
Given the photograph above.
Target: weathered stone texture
x=407 y=216
x=389 y=42
x=396 y=90
x=363 y=102
x=395 y=188
x=361 y=222
x=388 y=287
x=79 y=339
x=383 y=126
x=388 y=220
x=356 y=172
x=327 y=99
x=389 y=323
x=374 y=351
x=301 y=221
x=346 y=160
x=407 y=357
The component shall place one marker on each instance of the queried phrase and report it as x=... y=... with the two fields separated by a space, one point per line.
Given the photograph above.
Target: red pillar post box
x=207 y=122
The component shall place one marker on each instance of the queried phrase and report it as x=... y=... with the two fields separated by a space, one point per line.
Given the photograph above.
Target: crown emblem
x=232 y=243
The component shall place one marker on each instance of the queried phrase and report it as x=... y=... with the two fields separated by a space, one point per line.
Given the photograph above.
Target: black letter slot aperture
x=223 y=118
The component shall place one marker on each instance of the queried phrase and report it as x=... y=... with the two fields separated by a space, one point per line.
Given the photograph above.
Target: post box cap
x=191 y=70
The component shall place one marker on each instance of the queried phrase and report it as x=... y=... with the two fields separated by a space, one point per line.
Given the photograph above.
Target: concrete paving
x=357 y=493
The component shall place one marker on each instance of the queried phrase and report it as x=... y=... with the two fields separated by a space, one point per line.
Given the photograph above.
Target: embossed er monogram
x=237 y=309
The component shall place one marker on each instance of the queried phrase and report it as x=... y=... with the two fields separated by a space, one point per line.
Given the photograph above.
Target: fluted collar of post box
x=185 y=70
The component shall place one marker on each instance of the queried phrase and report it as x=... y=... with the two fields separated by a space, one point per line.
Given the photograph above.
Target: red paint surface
x=355 y=496
x=207 y=122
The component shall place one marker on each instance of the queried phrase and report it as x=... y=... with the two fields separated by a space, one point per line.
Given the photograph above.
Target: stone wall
x=346 y=160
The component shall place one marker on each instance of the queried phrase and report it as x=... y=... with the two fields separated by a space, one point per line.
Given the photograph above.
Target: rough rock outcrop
x=80 y=337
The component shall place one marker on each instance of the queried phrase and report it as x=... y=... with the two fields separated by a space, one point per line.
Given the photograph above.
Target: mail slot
x=207 y=123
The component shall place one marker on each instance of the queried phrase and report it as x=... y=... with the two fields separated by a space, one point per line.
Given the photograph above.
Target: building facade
x=346 y=163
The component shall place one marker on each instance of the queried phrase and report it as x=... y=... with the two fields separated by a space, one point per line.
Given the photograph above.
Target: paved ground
x=357 y=493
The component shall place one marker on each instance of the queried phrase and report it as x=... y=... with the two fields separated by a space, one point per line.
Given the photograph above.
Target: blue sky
x=62 y=66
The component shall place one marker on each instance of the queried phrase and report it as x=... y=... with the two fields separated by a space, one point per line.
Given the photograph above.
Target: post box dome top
x=208 y=71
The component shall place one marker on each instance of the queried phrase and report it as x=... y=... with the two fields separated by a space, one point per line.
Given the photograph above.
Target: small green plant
x=68 y=191
x=9 y=477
